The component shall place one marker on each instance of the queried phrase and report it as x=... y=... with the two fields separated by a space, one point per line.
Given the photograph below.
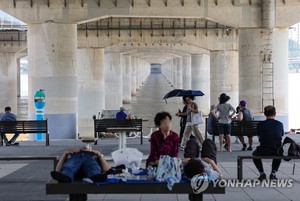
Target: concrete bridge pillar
x=18 y=60
x=91 y=84
x=268 y=13
x=144 y=72
x=133 y=76
x=280 y=59
x=179 y=72
x=171 y=72
x=165 y=69
x=147 y=70
x=260 y=58
x=52 y=65
x=250 y=68
x=224 y=77
x=174 y=73
x=113 y=81
x=200 y=65
x=168 y=69
x=138 y=73
x=186 y=72
x=126 y=79
x=8 y=81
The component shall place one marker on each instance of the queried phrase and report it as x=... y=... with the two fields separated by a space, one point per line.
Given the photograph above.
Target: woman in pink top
x=164 y=141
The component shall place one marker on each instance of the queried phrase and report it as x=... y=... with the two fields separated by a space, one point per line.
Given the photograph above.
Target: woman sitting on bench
x=81 y=163
x=164 y=141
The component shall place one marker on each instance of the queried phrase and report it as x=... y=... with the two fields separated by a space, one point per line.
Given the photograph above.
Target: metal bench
x=78 y=191
x=101 y=125
x=241 y=158
x=24 y=127
x=238 y=128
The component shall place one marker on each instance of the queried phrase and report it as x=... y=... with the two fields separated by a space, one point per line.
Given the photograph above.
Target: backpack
x=289 y=148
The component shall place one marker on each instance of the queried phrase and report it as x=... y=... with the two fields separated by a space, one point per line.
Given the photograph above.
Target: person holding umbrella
x=189 y=127
x=224 y=112
x=183 y=115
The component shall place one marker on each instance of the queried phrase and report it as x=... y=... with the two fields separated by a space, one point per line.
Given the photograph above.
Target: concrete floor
x=25 y=180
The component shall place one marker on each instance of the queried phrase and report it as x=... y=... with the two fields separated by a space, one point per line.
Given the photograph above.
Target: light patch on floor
x=6 y=169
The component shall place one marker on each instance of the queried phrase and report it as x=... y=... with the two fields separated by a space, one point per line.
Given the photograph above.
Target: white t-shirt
x=223 y=110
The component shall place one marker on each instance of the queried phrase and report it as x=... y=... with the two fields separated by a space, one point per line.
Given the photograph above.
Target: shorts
x=225 y=129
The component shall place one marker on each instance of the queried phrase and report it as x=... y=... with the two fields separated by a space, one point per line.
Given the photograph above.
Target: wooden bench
x=18 y=158
x=25 y=127
x=238 y=128
x=78 y=191
x=241 y=158
x=101 y=125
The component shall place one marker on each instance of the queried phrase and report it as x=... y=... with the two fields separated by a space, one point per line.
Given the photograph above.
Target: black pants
x=181 y=133
x=265 y=152
x=209 y=149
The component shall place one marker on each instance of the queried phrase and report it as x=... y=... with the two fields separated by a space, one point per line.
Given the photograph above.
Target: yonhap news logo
x=200 y=183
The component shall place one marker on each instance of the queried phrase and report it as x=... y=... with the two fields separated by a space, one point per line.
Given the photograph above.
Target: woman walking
x=190 y=127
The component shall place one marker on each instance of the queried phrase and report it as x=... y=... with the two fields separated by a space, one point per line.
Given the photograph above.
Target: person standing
x=189 y=127
x=244 y=114
x=224 y=112
x=270 y=134
x=182 y=114
x=9 y=116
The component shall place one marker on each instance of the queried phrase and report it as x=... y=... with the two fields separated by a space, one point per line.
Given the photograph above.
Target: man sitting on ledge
x=9 y=116
x=270 y=134
x=81 y=163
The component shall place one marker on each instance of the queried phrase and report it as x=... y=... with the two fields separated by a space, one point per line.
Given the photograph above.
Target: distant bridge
x=294 y=60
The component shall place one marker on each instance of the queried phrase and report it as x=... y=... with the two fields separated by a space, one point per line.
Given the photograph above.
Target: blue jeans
x=82 y=162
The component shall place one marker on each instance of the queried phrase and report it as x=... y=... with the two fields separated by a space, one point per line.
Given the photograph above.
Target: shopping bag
x=196 y=118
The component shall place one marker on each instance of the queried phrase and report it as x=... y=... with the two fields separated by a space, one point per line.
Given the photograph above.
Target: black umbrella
x=182 y=92
x=173 y=93
x=191 y=93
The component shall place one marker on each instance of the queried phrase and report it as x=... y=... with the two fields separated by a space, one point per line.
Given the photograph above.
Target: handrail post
x=239 y=168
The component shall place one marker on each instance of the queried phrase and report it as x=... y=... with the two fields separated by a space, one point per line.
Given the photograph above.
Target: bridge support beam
x=52 y=65
x=224 y=75
x=91 y=86
x=201 y=79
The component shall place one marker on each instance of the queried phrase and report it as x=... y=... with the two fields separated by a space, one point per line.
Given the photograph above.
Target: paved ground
x=25 y=180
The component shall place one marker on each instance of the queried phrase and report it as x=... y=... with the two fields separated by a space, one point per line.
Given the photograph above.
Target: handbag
x=196 y=118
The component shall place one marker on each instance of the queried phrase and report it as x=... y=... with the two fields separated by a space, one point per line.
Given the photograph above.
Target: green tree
x=294 y=51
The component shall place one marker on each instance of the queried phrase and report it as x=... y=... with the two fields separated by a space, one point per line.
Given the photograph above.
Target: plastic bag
x=130 y=157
